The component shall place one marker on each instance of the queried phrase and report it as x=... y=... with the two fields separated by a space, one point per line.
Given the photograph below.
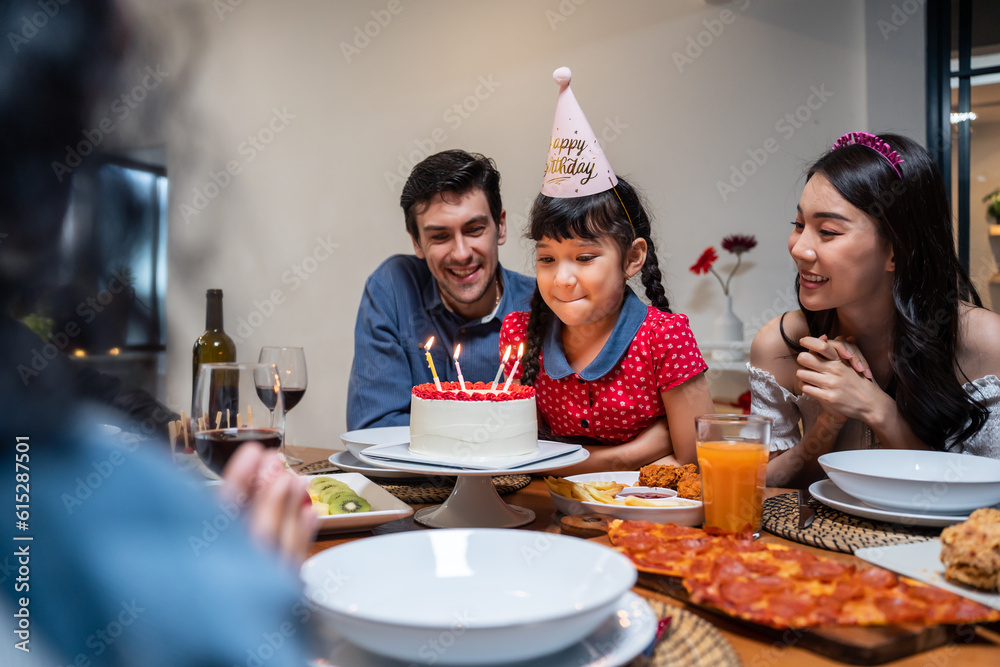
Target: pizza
x=784 y=587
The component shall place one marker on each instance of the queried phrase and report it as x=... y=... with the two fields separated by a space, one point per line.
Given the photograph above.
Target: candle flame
x=506 y=355
x=427 y=345
x=520 y=350
x=458 y=349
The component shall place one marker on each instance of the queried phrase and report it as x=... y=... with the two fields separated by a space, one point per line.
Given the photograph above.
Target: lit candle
x=461 y=380
x=430 y=363
x=506 y=356
x=513 y=371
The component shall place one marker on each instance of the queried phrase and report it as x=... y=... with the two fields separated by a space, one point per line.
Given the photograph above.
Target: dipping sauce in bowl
x=647 y=492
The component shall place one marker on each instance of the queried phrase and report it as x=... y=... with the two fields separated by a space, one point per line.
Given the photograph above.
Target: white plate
x=346 y=461
x=619 y=639
x=355 y=441
x=395 y=453
x=830 y=494
x=921 y=561
x=571 y=457
x=385 y=506
x=690 y=515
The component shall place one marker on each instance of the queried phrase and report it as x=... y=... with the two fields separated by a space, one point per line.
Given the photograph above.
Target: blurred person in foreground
x=118 y=559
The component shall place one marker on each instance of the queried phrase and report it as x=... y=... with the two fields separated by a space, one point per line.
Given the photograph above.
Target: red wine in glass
x=291 y=365
x=217 y=446
x=226 y=412
x=291 y=396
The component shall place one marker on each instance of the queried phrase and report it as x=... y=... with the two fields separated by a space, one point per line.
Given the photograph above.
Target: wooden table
x=754 y=650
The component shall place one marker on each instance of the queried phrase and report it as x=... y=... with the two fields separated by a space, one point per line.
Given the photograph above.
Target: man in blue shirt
x=453 y=289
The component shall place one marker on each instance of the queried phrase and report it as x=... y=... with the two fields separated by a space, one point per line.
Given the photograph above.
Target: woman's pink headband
x=873 y=142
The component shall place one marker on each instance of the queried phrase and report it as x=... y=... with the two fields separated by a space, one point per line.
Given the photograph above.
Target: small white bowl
x=692 y=513
x=922 y=481
x=466 y=596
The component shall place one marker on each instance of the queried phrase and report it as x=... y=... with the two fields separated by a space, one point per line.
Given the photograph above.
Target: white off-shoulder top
x=770 y=399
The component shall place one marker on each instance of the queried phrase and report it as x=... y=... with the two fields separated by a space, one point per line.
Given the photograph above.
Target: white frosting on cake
x=473 y=429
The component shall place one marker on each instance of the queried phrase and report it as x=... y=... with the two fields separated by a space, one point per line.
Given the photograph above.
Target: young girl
x=890 y=347
x=608 y=370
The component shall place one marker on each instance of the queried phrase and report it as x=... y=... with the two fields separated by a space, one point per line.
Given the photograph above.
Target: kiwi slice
x=348 y=503
x=328 y=492
x=321 y=485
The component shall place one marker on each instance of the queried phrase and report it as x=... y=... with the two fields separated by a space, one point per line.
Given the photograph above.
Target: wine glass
x=291 y=365
x=236 y=403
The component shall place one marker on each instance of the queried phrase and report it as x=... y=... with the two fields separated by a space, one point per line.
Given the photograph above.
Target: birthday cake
x=478 y=423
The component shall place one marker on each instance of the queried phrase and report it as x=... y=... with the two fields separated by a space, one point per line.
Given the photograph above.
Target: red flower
x=739 y=243
x=705 y=262
x=744 y=402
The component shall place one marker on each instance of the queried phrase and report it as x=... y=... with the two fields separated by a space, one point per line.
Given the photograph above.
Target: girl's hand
x=844 y=392
x=279 y=514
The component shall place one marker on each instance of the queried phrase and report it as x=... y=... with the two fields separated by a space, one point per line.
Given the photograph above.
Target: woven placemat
x=316 y=467
x=834 y=530
x=437 y=489
x=692 y=642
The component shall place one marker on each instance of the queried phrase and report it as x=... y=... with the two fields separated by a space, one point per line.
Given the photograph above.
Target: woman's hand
x=279 y=514
x=837 y=375
x=839 y=348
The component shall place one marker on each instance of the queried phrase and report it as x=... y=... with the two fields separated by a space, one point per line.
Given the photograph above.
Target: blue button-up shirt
x=400 y=309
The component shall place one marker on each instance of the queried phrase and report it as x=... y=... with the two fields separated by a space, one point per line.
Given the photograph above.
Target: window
x=963 y=127
x=106 y=293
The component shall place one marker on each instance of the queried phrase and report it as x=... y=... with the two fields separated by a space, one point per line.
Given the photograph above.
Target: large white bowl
x=690 y=514
x=466 y=596
x=915 y=481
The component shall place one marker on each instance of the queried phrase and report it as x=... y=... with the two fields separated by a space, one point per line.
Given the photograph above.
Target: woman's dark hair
x=590 y=217
x=929 y=284
x=452 y=172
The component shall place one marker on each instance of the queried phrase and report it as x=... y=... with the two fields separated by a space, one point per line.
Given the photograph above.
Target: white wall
x=678 y=128
x=895 y=54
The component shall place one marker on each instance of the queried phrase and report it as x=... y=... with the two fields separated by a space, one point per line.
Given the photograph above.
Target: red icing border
x=452 y=391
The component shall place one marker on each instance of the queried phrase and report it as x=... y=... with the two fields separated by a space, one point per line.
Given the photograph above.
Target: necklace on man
x=497 y=302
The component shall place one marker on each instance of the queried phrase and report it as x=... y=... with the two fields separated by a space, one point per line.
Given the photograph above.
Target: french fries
x=604 y=493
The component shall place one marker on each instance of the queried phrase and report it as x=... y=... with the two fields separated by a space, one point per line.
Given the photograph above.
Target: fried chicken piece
x=689 y=486
x=666 y=477
x=971 y=550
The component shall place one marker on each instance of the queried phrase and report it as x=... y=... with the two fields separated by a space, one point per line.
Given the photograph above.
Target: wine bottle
x=214 y=346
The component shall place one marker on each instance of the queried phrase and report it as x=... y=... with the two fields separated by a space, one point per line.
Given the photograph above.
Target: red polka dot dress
x=618 y=394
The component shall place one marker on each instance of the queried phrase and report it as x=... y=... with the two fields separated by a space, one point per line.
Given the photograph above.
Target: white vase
x=727 y=328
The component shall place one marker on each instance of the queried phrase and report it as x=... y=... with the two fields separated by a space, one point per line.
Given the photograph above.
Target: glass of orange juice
x=732 y=455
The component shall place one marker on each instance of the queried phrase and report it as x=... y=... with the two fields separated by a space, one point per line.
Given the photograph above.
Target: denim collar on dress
x=629 y=320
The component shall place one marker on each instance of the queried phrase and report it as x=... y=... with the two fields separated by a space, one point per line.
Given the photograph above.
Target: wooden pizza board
x=855 y=645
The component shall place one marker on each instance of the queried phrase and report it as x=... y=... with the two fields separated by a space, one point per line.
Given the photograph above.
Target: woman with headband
x=891 y=346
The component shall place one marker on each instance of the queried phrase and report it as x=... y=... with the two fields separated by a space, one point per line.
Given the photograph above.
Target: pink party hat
x=576 y=166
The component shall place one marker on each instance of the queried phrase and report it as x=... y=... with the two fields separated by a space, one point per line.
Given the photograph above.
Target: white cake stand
x=474 y=502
